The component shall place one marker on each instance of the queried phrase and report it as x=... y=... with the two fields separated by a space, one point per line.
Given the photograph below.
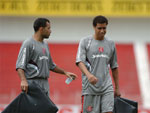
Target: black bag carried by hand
x=123 y=105
x=35 y=101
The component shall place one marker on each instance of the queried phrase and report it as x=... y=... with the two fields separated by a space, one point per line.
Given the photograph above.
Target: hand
x=92 y=79
x=24 y=86
x=71 y=75
x=117 y=93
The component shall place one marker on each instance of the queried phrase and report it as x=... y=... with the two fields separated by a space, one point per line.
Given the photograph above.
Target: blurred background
x=129 y=27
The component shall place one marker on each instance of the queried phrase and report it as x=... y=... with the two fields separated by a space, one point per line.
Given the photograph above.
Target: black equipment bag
x=35 y=101
x=123 y=105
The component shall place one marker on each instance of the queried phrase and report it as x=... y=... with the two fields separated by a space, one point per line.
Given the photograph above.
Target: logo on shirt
x=100 y=55
x=44 y=50
x=101 y=49
x=89 y=108
x=43 y=57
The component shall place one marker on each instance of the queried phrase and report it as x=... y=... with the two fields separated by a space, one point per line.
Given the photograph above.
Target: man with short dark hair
x=95 y=55
x=34 y=60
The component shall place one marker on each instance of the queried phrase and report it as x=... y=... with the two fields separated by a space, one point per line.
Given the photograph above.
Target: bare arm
x=92 y=79
x=116 y=80
x=24 y=83
x=62 y=71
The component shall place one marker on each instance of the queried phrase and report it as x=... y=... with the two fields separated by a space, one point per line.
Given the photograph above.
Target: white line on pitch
x=142 y=65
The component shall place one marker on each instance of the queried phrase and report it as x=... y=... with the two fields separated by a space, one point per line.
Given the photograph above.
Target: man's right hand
x=24 y=86
x=92 y=79
x=24 y=83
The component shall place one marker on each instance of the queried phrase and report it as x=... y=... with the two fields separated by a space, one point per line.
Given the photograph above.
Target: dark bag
x=123 y=105
x=35 y=101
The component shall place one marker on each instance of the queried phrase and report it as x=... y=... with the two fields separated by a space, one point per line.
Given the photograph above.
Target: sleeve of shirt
x=113 y=60
x=81 y=53
x=24 y=55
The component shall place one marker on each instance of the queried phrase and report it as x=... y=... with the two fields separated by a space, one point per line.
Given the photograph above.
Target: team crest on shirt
x=44 y=50
x=89 y=108
x=101 y=49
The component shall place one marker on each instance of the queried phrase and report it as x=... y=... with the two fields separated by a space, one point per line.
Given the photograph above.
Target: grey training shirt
x=35 y=59
x=98 y=56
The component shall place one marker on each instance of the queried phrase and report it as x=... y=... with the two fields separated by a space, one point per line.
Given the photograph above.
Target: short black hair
x=99 y=19
x=40 y=22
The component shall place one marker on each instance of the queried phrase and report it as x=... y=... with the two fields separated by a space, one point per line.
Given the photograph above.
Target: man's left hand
x=71 y=75
x=117 y=93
